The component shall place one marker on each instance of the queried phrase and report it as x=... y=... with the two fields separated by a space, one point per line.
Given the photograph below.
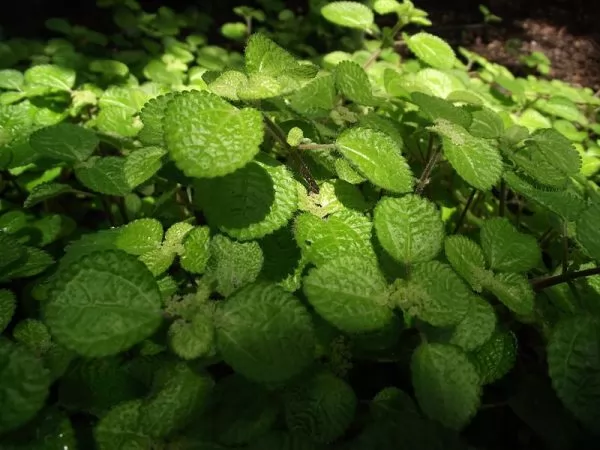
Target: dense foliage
x=258 y=246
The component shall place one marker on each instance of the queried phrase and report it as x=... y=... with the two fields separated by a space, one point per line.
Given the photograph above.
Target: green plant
x=202 y=248
x=538 y=61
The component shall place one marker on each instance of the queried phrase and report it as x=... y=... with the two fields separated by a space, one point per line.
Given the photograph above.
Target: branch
x=315 y=146
x=541 y=283
x=463 y=214
x=433 y=158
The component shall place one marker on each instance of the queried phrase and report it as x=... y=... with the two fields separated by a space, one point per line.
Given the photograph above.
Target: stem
x=463 y=214
x=372 y=58
x=433 y=158
x=303 y=169
x=377 y=52
x=315 y=146
x=502 y=208
x=541 y=283
x=565 y=242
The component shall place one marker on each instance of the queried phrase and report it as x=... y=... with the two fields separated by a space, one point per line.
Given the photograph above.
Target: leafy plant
x=207 y=248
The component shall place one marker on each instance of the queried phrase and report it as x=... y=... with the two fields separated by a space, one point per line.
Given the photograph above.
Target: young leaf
x=140 y=236
x=265 y=334
x=437 y=108
x=8 y=306
x=466 y=258
x=557 y=151
x=46 y=191
x=506 y=249
x=486 y=124
x=24 y=384
x=496 y=357
x=350 y=293
x=120 y=428
x=33 y=262
x=105 y=175
x=588 y=234
x=103 y=304
x=50 y=76
x=446 y=384
x=196 y=250
x=353 y=83
x=194 y=339
x=434 y=294
x=432 y=50
x=316 y=98
x=207 y=137
x=11 y=79
x=251 y=202
x=378 y=157
x=244 y=411
x=476 y=327
x=349 y=14
x=33 y=335
x=152 y=113
x=409 y=228
x=159 y=260
x=264 y=57
x=65 y=142
x=476 y=160
x=233 y=264
x=320 y=408
x=574 y=366
x=513 y=290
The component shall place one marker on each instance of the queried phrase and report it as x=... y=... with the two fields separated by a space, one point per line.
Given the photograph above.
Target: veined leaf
x=251 y=202
x=496 y=357
x=120 y=428
x=353 y=83
x=64 y=142
x=486 y=124
x=476 y=160
x=265 y=333
x=506 y=249
x=140 y=236
x=574 y=366
x=196 y=250
x=437 y=108
x=152 y=113
x=410 y=228
x=377 y=157
x=432 y=50
x=11 y=79
x=103 y=304
x=142 y=164
x=588 y=233
x=192 y=339
x=320 y=408
x=50 y=76
x=350 y=293
x=349 y=14
x=514 y=290
x=467 y=259
x=446 y=384
x=316 y=98
x=476 y=327
x=207 y=137
x=46 y=191
x=8 y=305
x=104 y=174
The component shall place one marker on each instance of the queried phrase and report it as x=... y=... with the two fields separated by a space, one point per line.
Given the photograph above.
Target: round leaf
x=349 y=14
x=506 y=249
x=103 y=304
x=140 y=236
x=432 y=50
x=265 y=333
x=496 y=357
x=120 y=428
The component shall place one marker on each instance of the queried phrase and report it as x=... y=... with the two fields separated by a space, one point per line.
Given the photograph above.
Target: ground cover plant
x=259 y=246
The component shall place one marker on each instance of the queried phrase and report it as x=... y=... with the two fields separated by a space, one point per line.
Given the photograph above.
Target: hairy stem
x=541 y=283
x=315 y=146
x=433 y=156
x=463 y=213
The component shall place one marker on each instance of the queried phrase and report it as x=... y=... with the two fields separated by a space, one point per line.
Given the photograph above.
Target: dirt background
x=565 y=31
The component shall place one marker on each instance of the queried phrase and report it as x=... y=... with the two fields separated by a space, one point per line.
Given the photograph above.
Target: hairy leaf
x=432 y=50
x=467 y=259
x=506 y=249
x=64 y=142
x=513 y=290
x=496 y=357
x=348 y=14
x=140 y=236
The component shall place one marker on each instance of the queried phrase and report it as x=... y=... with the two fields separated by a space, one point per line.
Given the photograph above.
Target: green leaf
x=110 y=68
x=115 y=121
x=50 y=76
x=12 y=252
x=8 y=305
x=251 y=202
x=432 y=50
x=159 y=259
x=353 y=83
x=244 y=411
x=279 y=440
x=228 y=83
x=207 y=137
x=127 y=99
x=476 y=160
x=446 y=384
x=320 y=408
x=265 y=57
x=11 y=79
x=409 y=228
x=140 y=236
x=476 y=327
x=574 y=366
x=64 y=142
x=104 y=174
x=514 y=290
x=24 y=384
x=33 y=335
x=178 y=393
x=316 y=98
x=437 y=108
x=265 y=333
x=349 y=14
x=506 y=249
x=34 y=262
x=378 y=157
x=587 y=232
x=496 y=357
x=46 y=191
x=152 y=113
x=141 y=165
x=196 y=250
x=121 y=428
x=435 y=294
x=486 y=124
x=350 y=293
x=467 y=259
x=103 y=304
x=193 y=339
